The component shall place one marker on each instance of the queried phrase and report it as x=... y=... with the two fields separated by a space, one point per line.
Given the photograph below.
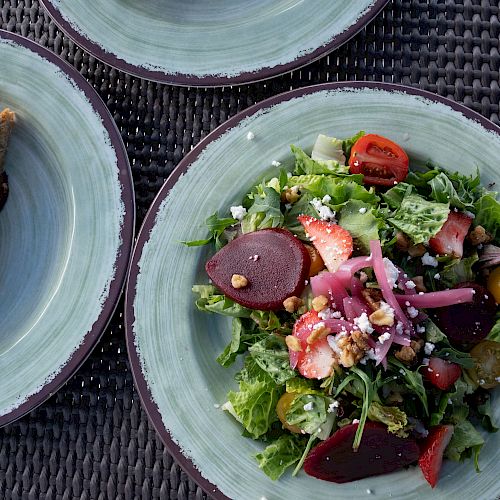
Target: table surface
x=93 y=440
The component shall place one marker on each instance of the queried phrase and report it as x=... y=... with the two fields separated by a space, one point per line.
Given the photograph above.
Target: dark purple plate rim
x=149 y=221
x=126 y=233
x=210 y=80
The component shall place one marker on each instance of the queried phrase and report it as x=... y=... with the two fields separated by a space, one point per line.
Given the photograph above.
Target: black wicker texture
x=93 y=440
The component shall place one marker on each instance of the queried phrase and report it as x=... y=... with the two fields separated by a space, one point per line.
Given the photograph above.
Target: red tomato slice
x=381 y=161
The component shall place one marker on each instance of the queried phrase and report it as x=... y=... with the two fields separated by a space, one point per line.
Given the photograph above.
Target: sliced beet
x=380 y=452
x=467 y=324
x=274 y=262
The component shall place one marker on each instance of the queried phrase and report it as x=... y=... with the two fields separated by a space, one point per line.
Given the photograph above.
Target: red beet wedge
x=274 y=263
x=380 y=452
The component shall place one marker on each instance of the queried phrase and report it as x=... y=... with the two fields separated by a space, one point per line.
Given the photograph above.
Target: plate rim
x=189 y=80
x=127 y=232
x=143 y=237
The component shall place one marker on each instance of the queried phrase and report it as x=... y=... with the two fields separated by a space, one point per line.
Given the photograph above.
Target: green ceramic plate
x=66 y=230
x=173 y=347
x=210 y=42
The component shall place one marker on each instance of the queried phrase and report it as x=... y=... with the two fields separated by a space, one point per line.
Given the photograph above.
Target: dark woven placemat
x=93 y=439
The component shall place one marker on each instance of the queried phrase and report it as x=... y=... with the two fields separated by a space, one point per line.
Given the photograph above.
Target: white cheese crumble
x=276 y=163
x=250 y=136
x=391 y=271
x=326 y=199
x=437 y=276
x=412 y=312
x=332 y=407
x=420 y=329
x=308 y=406
x=387 y=309
x=429 y=260
x=238 y=212
x=410 y=284
x=399 y=328
x=362 y=210
x=325 y=212
x=363 y=323
x=425 y=362
x=355 y=421
x=428 y=348
x=385 y=336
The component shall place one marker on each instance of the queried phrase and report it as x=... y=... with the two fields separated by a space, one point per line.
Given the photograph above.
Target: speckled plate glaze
x=66 y=231
x=173 y=347
x=210 y=42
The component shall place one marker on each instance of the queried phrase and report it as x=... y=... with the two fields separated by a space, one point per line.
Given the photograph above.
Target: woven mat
x=93 y=440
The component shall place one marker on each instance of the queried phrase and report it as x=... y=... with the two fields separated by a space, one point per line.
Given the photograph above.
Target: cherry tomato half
x=486 y=370
x=381 y=161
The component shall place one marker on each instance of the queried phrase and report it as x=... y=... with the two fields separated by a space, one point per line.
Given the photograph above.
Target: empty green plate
x=66 y=230
x=210 y=42
x=173 y=347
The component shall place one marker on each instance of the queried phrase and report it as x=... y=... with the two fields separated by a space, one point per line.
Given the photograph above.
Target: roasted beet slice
x=467 y=324
x=380 y=452
x=274 y=263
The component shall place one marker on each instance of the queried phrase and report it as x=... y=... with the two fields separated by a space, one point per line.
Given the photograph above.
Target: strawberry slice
x=431 y=452
x=333 y=242
x=314 y=359
x=442 y=373
x=450 y=239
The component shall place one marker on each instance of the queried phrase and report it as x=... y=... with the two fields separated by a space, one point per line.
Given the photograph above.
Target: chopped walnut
x=353 y=348
x=291 y=195
x=293 y=343
x=406 y=354
x=291 y=304
x=381 y=317
x=403 y=242
x=238 y=281
x=320 y=331
x=417 y=345
x=417 y=250
x=479 y=236
x=419 y=282
x=320 y=303
x=373 y=297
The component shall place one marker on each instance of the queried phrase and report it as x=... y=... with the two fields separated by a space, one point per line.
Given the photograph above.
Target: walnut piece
x=320 y=331
x=417 y=345
x=417 y=250
x=406 y=354
x=479 y=236
x=291 y=304
x=293 y=343
x=319 y=303
x=291 y=195
x=372 y=297
x=419 y=282
x=403 y=242
x=238 y=281
x=353 y=348
x=381 y=317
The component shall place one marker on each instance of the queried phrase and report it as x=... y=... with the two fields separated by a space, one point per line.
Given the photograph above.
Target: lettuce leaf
x=271 y=354
x=495 y=332
x=304 y=164
x=265 y=212
x=302 y=386
x=486 y=413
x=465 y=438
x=394 y=196
x=443 y=191
x=419 y=218
x=413 y=381
x=255 y=402
x=213 y=301
x=487 y=211
x=393 y=417
x=458 y=271
x=302 y=206
x=328 y=149
x=280 y=455
x=307 y=420
x=348 y=143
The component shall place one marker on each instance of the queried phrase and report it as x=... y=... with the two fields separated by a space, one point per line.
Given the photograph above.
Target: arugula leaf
x=301 y=207
x=212 y=300
x=271 y=354
x=413 y=381
x=419 y=218
x=304 y=164
x=280 y=455
x=393 y=417
x=267 y=320
x=307 y=420
x=458 y=271
x=265 y=212
x=255 y=402
x=216 y=227
x=487 y=211
x=465 y=437
x=359 y=219
x=438 y=415
x=348 y=143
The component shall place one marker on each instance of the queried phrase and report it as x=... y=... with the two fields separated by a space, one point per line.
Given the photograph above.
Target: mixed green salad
x=364 y=302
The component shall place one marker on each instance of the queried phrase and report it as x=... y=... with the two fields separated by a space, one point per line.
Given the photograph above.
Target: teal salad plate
x=173 y=346
x=66 y=230
x=210 y=42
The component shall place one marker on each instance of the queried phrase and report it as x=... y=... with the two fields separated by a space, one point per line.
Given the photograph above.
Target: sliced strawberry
x=314 y=360
x=442 y=373
x=450 y=239
x=431 y=452
x=334 y=243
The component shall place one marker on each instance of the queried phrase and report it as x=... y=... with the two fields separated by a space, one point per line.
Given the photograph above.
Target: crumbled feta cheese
x=410 y=284
x=391 y=271
x=332 y=342
x=289 y=174
x=425 y=362
x=385 y=336
x=355 y=421
x=308 y=406
x=250 y=136
x=326 y=213
x=238 y=212
x=399 y=328
x=420 y=329
x=276 y=163
x=332 y=407
x=387 y=309
x=412 y=312
x=428 y=348
x=362 y=210
x=429 y=260
x=216 y=405
x=450 y=402
x=316 y=203
x=326 y=199
x=363 y=323
x=288 y=206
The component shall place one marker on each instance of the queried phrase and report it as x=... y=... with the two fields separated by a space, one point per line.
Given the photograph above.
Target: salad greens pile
x=290 y=413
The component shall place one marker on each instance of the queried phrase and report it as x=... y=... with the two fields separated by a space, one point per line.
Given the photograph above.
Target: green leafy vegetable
x=458 y=271
x=393 y=417
x=348 y=143
x=304 y=164
x=488 y=215
x=495 y=332
x=266 y=320
x=264 y=213
x=419 y=218
x=255 y=402
x=271 y=354
x=394 y=196
x=308 y=412
x=216 y=227
x=280 y=455
x=486 y=411
x=465 y=437
x=302 y=386
x=212 y=300
x=413 y=381
x=301 y=207
x=443 y=190
x=328 y=149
